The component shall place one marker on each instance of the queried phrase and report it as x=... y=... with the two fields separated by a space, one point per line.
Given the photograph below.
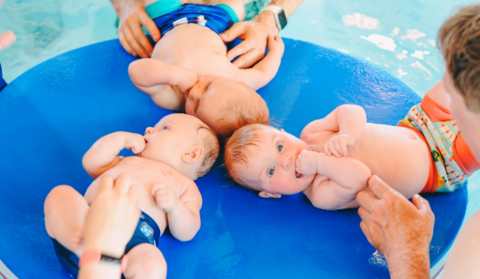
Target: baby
x=171 y=155
x=189 y=70
x=335 y=156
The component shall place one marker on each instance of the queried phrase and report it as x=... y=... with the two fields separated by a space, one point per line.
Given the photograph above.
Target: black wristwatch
x=280 y=18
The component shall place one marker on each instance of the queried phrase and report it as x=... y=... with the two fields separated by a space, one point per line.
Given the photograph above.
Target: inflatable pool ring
x=53 y=113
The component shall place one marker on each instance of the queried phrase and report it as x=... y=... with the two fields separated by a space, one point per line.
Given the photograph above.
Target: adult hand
x=400 y=230
x=6 y=39
x=112 y=217
x=254 y=34
x=132 y=16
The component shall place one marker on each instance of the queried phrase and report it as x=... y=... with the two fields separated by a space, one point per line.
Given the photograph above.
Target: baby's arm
x=164 y=83
x=265 y=70
x=348 y=120
x=103 y=155
x=342 y=179
x=183 y=212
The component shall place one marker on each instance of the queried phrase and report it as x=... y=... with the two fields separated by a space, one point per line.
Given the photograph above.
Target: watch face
x=282 y=19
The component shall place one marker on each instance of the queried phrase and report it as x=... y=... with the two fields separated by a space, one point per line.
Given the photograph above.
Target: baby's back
x=146 y=173
x=197 y=48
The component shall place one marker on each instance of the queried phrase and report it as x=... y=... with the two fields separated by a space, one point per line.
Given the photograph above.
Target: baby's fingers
x=332 y=148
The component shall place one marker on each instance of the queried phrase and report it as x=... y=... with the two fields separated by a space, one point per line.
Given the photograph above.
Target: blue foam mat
x=54 y=112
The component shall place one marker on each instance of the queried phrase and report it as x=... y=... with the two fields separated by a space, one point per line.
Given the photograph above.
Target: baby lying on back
x=189 y=70
x=336 y=155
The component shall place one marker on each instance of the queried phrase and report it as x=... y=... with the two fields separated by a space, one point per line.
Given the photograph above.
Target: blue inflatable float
x=53 y=113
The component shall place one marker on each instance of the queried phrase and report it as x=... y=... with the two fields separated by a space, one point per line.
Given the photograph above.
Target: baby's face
x=210 y=96
x=170 y=137
x=271 y=165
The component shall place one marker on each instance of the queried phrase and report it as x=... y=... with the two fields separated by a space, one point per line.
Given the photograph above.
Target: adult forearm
x=289 y=6
x=125 y=7
x=415 y=264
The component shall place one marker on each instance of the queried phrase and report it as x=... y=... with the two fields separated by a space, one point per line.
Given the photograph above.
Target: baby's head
x=225 y=104
x=183 y=142
x=262 y=158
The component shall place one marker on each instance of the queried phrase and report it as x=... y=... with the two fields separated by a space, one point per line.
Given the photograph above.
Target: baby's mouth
x=298 y=175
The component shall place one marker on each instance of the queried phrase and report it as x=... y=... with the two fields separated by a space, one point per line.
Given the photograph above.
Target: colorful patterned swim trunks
x=452 y=160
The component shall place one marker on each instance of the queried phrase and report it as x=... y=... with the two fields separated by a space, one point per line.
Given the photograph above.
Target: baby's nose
x=287 y=161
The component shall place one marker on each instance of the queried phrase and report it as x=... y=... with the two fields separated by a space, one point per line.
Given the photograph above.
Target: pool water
x=397 y=36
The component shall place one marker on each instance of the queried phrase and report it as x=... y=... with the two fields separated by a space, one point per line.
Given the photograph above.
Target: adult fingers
x=364 y=214
x=421 y=203
x=122 y=184
x=366 y=231
x=133 y=42
x=150 y=25
x=249 y=58
x=125 y=44
x=378 y=186
x=237 y=30
x=240 y=49
x=366 y=200
x=142 y=40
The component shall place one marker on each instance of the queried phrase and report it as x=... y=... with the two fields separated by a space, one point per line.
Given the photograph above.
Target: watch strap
x=95 y=256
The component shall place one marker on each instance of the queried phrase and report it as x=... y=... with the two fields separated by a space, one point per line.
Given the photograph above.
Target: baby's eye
x=271 y=171
x=164 y=128
x=208 y=85
x=280 y=147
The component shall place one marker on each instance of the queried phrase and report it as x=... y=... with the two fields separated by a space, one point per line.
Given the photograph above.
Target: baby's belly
x=397 y=155
x=145 y=179
x=190 y=46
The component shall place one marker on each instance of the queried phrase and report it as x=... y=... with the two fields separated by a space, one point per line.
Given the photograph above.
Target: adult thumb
x=420 y=203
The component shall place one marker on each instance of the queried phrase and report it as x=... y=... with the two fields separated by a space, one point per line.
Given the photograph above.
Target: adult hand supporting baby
x=132 y=16
x=400 y=230
x=110 y=224
x=255 y=33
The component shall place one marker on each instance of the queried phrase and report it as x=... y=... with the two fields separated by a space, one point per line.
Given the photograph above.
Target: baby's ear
x=267 y=195
x=192 y=154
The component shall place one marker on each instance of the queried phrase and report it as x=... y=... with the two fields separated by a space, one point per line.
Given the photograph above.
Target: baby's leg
x=145 y=261
x=65 y=212
x=237 y=6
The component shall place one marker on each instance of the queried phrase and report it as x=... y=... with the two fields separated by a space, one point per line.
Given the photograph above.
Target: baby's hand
x=337 y=145
x=134 y=142
x=275 y=45
x=165 y=198
x=306 y=162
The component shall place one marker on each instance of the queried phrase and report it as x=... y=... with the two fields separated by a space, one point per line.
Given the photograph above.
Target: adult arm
x=254 y=34
x=465 y=253
x=132 y=16
x=400 y=230
x=109 y=225
x=103 y=155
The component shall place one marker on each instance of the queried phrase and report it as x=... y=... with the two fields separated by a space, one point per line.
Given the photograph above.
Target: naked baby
x=189 y=69
x=170 y=156
x=335 y=156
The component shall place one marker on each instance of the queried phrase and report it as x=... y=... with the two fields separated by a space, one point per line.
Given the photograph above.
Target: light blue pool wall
x=365 y=29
